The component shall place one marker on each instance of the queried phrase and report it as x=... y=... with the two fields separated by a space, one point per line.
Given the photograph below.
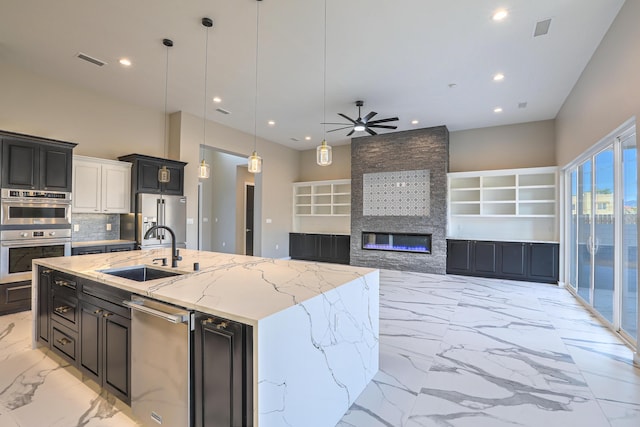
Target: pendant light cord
x=166 y=91
x=204 y=106
x=255 y=104
x=324 y=81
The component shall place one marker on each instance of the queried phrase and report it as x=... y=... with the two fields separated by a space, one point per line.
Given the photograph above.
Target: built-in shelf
x=524 y=199
x=322 y=198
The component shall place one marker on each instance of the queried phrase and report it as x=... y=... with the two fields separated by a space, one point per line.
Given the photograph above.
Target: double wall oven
x=33 y=224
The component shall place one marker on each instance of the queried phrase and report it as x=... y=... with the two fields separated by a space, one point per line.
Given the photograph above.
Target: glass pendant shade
x=255 y=163
x=164 y=174
x=204 y=171
x=323 y=154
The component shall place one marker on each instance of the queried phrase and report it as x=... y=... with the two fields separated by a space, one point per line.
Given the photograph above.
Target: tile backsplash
x=94 y=227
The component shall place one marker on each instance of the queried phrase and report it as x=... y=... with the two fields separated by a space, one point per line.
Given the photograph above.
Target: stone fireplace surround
x=420 y=149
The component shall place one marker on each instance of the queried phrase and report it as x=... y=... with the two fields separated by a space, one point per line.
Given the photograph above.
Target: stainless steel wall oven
x=22 y=207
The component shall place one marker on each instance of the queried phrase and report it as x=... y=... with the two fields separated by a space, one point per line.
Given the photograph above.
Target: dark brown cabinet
x=223 y=378
x=36 y=164
x=15 y=297
x=100 y=249
x=535 y=262
x=144 y=175
x=44 y=306
x=333 y=248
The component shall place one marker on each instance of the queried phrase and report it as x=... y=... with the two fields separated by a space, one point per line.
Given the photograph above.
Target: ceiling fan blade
x=351 y=133
x=348 y=118
x=369 y=116
x=344 y=124
x=370 y=131
x=383 y=126
x=346 y=127
x=390 y=119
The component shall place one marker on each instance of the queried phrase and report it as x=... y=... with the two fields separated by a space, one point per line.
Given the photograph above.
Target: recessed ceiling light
x=414 y=122
x=500 y=14
x=125 y=62
x=522 y=104
x=217 y=99
x=307 y=138
x=497 y=110
x=271 y=123
x=498 y=77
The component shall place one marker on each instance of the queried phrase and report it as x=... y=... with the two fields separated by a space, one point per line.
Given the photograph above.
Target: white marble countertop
x=242 y=288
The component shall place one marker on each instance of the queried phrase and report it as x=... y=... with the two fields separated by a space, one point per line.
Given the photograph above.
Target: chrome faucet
x=175 y=255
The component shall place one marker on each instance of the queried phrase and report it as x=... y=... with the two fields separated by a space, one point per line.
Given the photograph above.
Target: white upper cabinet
x=101 y=186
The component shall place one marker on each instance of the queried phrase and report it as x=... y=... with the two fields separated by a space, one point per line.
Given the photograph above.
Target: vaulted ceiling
x=427 y=60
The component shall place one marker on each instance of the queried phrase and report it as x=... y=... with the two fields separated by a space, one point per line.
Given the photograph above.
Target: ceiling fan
x=363 y=123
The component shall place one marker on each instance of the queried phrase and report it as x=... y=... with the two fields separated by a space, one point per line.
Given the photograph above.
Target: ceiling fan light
x=204 y=171
x=324 y=155
x=254 y=163
x=359 y=128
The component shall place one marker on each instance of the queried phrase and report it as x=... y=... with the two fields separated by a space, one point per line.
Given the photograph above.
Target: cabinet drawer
x=64 y=342
x=15 y=297
x=64 y=309
x=64 y=285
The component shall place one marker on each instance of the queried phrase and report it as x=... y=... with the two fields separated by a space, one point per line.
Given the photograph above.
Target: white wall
x=340 y=167
x=608 y=91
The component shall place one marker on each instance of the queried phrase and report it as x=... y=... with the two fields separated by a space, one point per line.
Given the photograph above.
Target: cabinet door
x=44 y=306
x=343 y=249
x=19 y=164
x=87 y=181
x=55 y=168
x=513 y=259
x=484 y=260
x=116 y=376
x=326 y=247
x=175 y=186
x=295 y=245
x=459 y=256
x=116 y=189
x=148 y=177
x=543 y=262
x=222 y=394
x=91 y=340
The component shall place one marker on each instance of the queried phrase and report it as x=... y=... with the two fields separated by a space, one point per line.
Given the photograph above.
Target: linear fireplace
x=398 y=242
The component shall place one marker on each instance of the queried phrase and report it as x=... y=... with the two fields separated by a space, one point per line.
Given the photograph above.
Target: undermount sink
x=140 y=273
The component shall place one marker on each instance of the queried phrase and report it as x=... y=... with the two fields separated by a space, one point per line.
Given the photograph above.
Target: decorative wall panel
x=401 y=193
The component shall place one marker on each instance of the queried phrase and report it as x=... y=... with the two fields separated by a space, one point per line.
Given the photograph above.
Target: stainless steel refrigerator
x=156 y=209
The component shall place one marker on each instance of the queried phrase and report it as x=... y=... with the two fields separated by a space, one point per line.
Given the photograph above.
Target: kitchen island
x=314 y=326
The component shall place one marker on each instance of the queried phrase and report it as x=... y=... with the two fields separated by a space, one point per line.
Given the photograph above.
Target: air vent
x=542 y=28
x=223 y=111
x=295 y=139
x=94 y=61
x=522 y=105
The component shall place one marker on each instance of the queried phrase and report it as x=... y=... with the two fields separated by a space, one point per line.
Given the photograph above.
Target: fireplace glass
x=399 y=242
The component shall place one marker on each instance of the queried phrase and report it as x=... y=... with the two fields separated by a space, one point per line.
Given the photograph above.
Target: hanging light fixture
x=163 y=173
x=324 y=156
x=254 y=162
x=205 y=170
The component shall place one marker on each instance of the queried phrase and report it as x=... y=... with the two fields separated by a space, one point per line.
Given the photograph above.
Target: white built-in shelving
x=322 y=206
x=524 y=199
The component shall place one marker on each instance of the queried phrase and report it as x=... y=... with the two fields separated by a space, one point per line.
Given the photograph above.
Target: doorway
x=248 y=218
x=602 y=230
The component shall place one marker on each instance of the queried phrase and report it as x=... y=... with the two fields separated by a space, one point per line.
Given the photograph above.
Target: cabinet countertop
x=242 y=288
x=475 y=239
x=101 y=243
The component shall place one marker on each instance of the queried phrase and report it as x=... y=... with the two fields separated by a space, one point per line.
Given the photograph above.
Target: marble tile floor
x=454 y=351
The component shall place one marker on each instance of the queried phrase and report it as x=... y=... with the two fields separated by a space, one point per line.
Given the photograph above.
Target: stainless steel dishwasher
x=161 y=339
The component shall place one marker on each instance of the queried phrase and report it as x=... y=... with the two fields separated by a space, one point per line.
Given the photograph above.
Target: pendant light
x=254 y=162
x=205 y=170
x=163 y=173
x=324 y=156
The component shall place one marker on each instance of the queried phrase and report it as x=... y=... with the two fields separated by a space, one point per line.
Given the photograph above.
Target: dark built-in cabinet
x=15 y=297
x=86 y=324
x=101 y=249
x=32 y=163
x=332 y=248
x=536 y=262
x=223 y=378
x=144 y=175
